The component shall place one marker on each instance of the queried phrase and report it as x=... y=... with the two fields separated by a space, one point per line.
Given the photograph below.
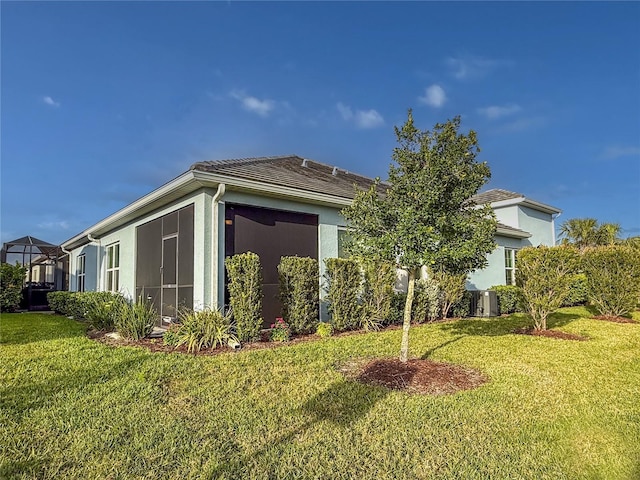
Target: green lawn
x=74 y=408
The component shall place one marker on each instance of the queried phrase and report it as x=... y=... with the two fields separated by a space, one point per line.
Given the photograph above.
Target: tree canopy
x=587 y=232
x=426 y=217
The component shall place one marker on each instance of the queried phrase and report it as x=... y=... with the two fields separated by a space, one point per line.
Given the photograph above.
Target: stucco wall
x=508 y=215
x=494 y=273
x=90 y=267
x=539 y=224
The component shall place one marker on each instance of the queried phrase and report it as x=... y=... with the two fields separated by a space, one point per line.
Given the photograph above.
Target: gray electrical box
x=484 y=303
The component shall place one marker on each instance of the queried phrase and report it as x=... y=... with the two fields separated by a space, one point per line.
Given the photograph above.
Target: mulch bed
x=608 y=318
x=425 y=377
x=551 y=334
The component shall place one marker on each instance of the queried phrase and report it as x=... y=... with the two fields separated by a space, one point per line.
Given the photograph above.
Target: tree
x=586 y=232
x=11 y=282
x=425 y=215
x=545 y=275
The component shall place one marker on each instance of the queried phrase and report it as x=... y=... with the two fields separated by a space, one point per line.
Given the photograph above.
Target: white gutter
x=96 y=240
x=215 y=247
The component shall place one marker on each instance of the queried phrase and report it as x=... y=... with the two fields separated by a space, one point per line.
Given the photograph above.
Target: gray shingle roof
x=495 y=195
x=290 y=171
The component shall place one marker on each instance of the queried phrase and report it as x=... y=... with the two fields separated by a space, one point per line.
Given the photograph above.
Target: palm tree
x=581 y=232
x=586 y=232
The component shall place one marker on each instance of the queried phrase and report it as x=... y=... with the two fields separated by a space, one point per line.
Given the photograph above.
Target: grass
x=74 y=408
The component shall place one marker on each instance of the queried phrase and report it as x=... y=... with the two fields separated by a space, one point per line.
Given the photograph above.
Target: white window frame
x=510 y=257
x=112 y=272
x=81 y=272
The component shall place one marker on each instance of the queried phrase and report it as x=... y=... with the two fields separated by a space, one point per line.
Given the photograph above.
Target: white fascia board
x=507 y=203
x=505 y=232
x=543 y=207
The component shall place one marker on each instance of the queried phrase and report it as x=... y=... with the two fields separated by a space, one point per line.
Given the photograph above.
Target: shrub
x=452 y=288
x=578 y=294
x=135 y=320
x=101 y=308
x=245 y=294
x=206 y=328
x=343 y=281
x=427 y=301
x=299 y=292
x=397 y=308
x=613 y=278
x=545 y=275
x=508 y=298
x=280 y=331
x=171 y=336
x=377 y=293
x=11 y=282
x=462 y=308
x=58 y=302
x=324 y=329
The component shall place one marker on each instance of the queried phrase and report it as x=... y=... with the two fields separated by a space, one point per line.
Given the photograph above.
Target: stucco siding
x=508 y=216
x=494 y=273
x=538 y=224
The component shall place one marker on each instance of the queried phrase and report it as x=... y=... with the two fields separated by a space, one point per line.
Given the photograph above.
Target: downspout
x=96 y=240
x=553 y=227
x=215 y=246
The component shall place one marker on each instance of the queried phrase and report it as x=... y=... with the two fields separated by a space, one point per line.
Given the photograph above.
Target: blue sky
x=104 y=102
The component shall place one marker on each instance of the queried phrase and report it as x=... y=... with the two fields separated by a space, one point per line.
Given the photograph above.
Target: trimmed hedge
x=508 y=298
x=578 y=294
x=427 y=301
x=98 y=308
x=343 y=281
x=245 y=294
x=299 y=293
x=612 y=278
x=378 y=279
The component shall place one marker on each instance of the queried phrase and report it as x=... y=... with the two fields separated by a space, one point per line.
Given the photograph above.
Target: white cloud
x=468 y=66
x=616 y=151
x=364 y=119
x=50 y=101
x=522 y=124
x=494 y=112
x=59 y=225
x=434 y=96
x=262 y=108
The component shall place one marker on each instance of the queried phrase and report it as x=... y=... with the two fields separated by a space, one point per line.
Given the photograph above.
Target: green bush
x=452 y=288
x=245 y=294
x=508 y=298
x=377 y=293
x=397 y=308
x=578 y=294
x=101 y=308
x=299 y=293
x=206 y=328
x=613 y=278
x=462 y=308
x=545 y=274
x=324 y=329
x=427 y=301
x=135 y=320
x=343 y=279
x=58 y=301
x=280 y=331
x=11 y=283
x=171 y=337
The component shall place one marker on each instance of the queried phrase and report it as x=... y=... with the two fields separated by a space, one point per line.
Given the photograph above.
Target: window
x=510 y=265
x=81 y=272
x=113 y=268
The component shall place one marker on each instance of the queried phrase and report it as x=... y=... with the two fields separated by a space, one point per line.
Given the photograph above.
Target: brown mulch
x=425 y=377
x=609 y=318
x=551 y=334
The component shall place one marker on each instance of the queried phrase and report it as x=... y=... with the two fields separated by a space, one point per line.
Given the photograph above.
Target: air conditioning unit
x=484 y=303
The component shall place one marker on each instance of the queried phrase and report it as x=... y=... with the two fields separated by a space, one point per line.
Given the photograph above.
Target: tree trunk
x=404 y=346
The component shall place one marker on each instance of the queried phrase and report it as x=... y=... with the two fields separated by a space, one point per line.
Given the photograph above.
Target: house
x=170 y=245
x=522 y=222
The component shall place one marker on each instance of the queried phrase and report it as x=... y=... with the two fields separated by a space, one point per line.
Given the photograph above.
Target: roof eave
x=507 y=232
